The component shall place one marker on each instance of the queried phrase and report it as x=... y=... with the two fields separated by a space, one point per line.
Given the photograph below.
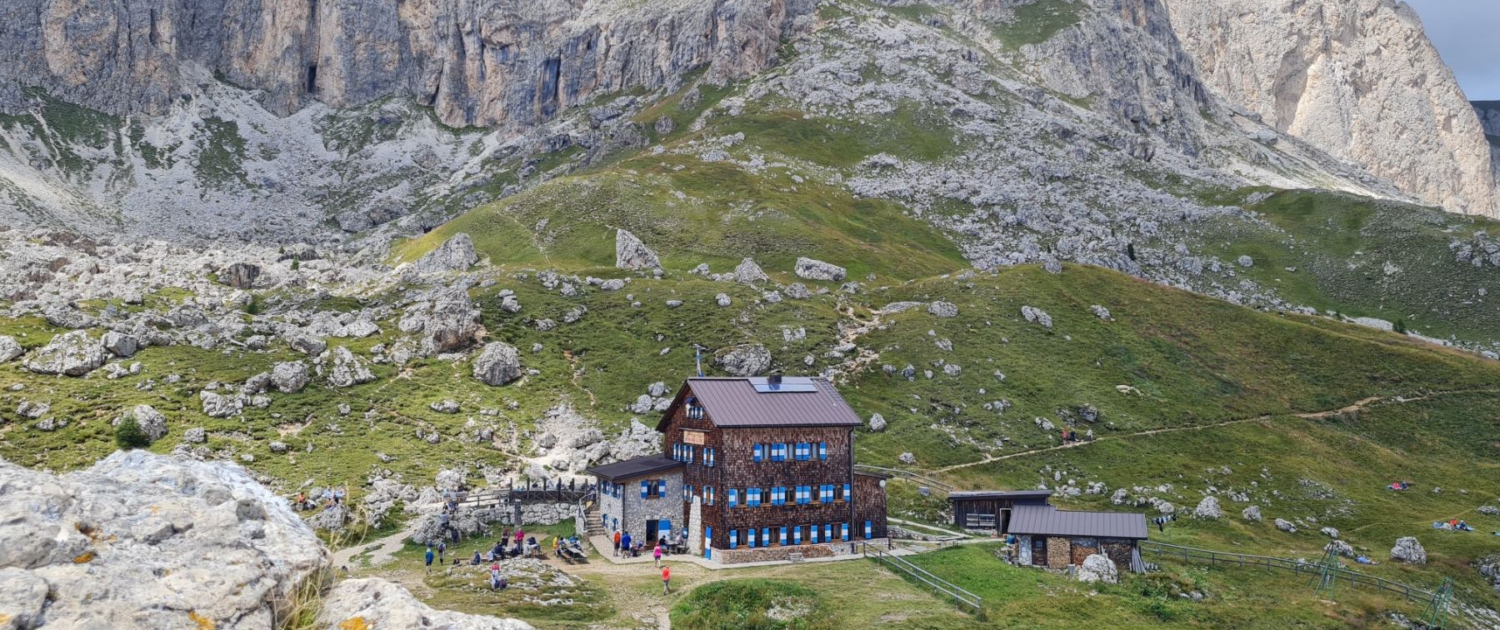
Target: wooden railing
x=1189 y=554
x=963 y=598
x=906 y=474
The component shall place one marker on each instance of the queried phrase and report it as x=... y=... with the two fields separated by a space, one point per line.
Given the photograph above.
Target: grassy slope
x=1339 y=246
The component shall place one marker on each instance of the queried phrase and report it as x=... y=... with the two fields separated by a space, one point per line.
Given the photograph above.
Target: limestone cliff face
x=478 y=62
x=1356 y=78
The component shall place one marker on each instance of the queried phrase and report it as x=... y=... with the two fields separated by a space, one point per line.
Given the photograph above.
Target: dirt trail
x=381 y=550
x=1356 y=407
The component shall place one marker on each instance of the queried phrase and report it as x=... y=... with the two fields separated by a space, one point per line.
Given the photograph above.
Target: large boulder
x=150 y=420
x=449 y=321
x=750 y=273
x=810 y=269
x=144 y=541
x=343 y=369
x=121 y=344
x=1208 y=509
x=240 y=275
x=942 y=309
x=216 y=405
x=10 y=348
x=1098 y=568
x=1251 y=514
x=290 y=377
x=1409 y=550
x=72 y=353
x=310 y=345
x=499 y=364
x=377 y=604
x=746 y=360
x=631 y=253
x=455 y=254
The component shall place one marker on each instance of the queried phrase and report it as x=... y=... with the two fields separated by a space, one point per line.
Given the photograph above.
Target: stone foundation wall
x=1118 y=551
x=775 y=554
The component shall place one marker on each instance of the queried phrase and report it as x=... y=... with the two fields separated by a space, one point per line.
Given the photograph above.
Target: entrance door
x=651 y=526
x=1039 y=551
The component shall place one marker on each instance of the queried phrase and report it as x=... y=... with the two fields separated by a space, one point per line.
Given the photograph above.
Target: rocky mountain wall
x=477 y=62
x=1356 y=78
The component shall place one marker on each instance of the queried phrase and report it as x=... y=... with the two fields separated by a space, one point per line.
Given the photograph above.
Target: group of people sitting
x=1400 y=485
x=1453 y=524
x=1069 y=435
x=628 y=546
x=329 y=498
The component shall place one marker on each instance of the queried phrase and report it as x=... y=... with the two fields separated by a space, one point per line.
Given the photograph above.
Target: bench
x=794 y=557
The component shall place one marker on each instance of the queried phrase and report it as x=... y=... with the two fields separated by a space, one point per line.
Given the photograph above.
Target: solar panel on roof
x=788 y=384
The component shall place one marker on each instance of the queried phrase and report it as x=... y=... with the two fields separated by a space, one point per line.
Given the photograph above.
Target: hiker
x=617 y=543
x=1463 y=526
x=442 y=549
x=475 y=560
x=429 y=558
x=625 y=544
x=498 y=551
x=520 y=536
x=496 y=582
x=556 y=545
x=338 y=496
x=657 y=554
x=666 y=580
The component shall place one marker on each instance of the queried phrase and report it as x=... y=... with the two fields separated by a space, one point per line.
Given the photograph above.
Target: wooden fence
x=905 y=474
x=963 y=598
x=1217 y=558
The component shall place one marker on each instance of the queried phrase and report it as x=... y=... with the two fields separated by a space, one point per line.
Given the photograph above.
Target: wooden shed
x=1053 y=538
x=990 y=510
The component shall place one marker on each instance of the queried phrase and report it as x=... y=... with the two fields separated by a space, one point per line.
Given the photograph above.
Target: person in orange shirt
x=666 y=580
x=617 y=543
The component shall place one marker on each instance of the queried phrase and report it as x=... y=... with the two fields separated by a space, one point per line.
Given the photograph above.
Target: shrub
x=128 y=434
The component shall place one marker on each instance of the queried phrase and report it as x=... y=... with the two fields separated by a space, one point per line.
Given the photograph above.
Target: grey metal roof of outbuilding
x=632 y=468
x=735 y=403
x=1047 y=520
x=976 y=495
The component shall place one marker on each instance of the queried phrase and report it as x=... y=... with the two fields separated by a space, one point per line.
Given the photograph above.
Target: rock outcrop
x=455 y=254
x=498 y=364
x=376 y=603
x=141 y=540
x=486 y=63
x=1408 y=550
x=631 y=253
x=1356 y=78
x=746 y=360
x=72 y=353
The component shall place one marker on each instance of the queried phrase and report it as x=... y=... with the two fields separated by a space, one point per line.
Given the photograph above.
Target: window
x=708 y=457
x=847 y=494
x=844 y=531
x=751 y=533
x=694 y=410
x=797 y=535
x=804 y=451
x=756 y=453
x=687 y=452
x=826 y=496
x=765 y=537
x=778 y=495
x=687 y=494
x=869 y=530
x=804 y=495
x=734 y=497
x=812 y=534
x=828 y=532
x=782 y=540
x=823 y=451
x=778 y=452
x=752 y=497
x=652 y=489
x=734 y=538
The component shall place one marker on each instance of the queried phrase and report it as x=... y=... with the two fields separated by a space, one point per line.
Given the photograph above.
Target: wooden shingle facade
x=768 y=469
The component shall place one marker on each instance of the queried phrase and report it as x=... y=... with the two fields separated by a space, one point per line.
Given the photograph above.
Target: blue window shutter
x=765 y=537
x=755 y=453
x=645 y=489
x=868 y=530
x=708 y=542
x=847 y=494
x=783 y=536
x=734 y=497
x=844 y=529
x=797 y=535
x=734 y=534
x=750 y=538
x=823 y=451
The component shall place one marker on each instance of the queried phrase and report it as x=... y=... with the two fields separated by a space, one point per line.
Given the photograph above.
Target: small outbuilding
x=991 y=510
x=1053 y=538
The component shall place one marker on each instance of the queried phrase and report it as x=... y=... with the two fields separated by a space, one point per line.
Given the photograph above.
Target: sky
x=1464 y=32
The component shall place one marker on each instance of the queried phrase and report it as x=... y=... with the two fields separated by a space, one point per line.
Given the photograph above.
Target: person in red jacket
x=666 y=580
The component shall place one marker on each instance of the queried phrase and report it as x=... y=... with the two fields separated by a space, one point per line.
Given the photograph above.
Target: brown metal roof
x=1046 y=520
x=735 y=403
x=632 y=468
x=976 y=495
